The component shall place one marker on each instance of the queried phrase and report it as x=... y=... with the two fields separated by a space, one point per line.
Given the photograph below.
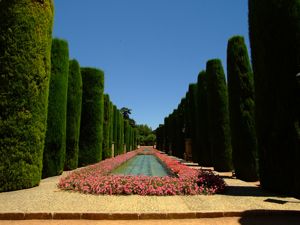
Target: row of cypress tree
x=54 y=115
x=264 y=124
x=80 y=116
x=215 y=119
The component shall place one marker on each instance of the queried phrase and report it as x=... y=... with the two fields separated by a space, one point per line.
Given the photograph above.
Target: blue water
x=147 y=165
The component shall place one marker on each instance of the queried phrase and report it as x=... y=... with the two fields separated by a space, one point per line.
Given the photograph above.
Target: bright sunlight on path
x=273 y=220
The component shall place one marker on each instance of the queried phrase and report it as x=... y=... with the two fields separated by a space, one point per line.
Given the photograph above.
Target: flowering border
x=96 y=179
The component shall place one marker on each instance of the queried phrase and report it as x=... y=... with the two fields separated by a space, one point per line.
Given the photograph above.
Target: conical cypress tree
x=218 y=116
x=106 y=128
x=55 y=142
x=24 y=83
x=73 y=115
x=111 y=127
x=115 y=129
x=275 y=46
x=126 y=134
x=205 y=154
x=241 y=108
x=121 y=133
x=181 y=124
x=192 y=105
x=91 y=127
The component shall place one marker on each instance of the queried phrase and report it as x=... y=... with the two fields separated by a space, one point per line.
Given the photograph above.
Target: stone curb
x=141 y=216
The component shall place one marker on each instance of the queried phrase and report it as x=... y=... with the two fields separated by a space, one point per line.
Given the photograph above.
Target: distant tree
x=145 y=134
x=125 y=112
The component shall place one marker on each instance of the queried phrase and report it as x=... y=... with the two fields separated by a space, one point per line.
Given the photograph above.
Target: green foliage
x=275 y=46
x=144 y=135
x=192 y=119
x=24 y=82
x=111 y=127
x=241 y=107
x=91 y=128
x=218 y=116
x=127 y=134
x=73 y=115
x=115 y=129
x=55 y=141
x=159 y=137
x=106 y=128
x=205 y=154
x=120 y=139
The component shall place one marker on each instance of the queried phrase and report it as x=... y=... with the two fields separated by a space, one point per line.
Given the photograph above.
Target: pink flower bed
x=96 y=179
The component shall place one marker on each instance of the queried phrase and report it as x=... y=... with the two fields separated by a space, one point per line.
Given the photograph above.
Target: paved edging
x=141 y=216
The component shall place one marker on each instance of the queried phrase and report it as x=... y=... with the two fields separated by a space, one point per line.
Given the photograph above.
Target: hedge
x=91 y=127
x=219 y=129
x=24 y=83
x=73 y=115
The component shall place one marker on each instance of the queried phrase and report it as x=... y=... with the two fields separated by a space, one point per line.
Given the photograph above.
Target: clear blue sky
x=150 y=50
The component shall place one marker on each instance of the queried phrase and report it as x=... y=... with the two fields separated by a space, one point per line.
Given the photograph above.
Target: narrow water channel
x=147 y=165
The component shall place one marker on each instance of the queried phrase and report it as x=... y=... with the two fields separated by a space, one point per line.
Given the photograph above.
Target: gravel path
x=240 y=196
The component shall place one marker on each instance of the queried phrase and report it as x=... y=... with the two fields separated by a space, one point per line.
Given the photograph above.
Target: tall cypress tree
x=73 y=115
x=24 y=83
x=275 y=46
x=55 y=142
x=218 y=116
x=193 y=117
x=205 y=154
x=115 y=129
x=126 y=134
x=91 y=127
x=241 y=108
x=181 y=124
x=111 y=128
x=106 y=129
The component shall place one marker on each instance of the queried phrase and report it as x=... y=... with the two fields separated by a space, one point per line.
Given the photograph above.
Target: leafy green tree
x=91 y=127
x=218 y=116
x=25 y=68
x=274 y=30
x=73 y=115
x=241 y=107
x=125 y=112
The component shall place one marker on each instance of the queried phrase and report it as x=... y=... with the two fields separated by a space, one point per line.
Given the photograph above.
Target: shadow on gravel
x=248 y=191
x=270 y=217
